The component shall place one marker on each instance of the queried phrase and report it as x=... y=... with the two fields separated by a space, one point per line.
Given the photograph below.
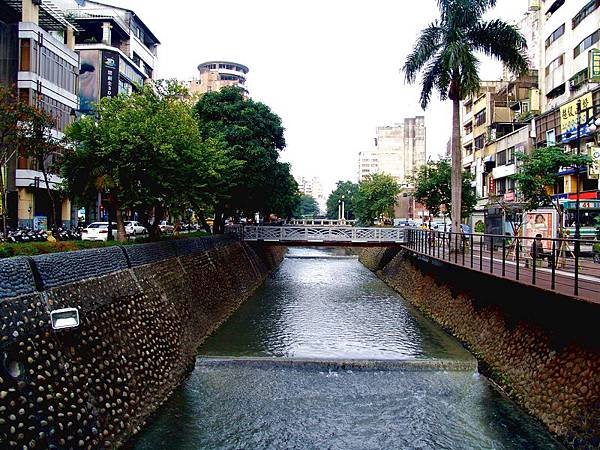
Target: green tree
x=376 y=197
x=445 y=54
x=38 y=143
x=432 y=189
x=349 y=190
x=13 y=114
x=254 y=135
x=307 y=208
x=143 y=152
x=538 y=177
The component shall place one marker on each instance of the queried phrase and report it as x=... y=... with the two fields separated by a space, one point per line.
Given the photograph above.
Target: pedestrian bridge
x=323 y=235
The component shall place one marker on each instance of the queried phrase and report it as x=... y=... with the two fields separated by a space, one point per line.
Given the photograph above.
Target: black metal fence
x=554 y=264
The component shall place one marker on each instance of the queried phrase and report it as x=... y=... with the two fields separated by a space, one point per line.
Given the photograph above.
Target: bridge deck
x=325 y=235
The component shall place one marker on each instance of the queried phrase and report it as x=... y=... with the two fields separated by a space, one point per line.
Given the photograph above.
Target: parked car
x=98 y=231
x=135 y=228
x=166 y=227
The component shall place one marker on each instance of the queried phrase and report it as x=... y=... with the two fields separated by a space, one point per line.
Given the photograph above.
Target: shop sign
x=583 y=204
x=109 y=79
x=594 y=169
x=594 y=65
x=568 y=118
x=491 y=185
x=509 y=197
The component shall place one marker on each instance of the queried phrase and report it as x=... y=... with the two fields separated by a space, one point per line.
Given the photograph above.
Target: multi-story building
x=492 y=120
x=214 y=75
x=37 y=57
x=571 y=34
x=118 y=52
x=400 y=149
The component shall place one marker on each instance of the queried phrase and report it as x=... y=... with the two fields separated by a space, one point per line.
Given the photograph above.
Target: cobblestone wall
x=542 y=350
x=144 y=310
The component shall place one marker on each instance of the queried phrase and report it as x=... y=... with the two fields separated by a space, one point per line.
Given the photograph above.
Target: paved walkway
x=561 y=280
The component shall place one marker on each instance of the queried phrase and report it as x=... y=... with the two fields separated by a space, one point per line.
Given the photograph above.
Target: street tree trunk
x=3 y=201
x=121 y=235
x=50 y=195
x=456 y=180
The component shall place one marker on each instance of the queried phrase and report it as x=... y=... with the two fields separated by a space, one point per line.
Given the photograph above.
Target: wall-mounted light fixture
x=64 y=318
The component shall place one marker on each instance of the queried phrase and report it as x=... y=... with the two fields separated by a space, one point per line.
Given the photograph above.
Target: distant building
x=314 y=188
x=399 y=151
x=214 y=75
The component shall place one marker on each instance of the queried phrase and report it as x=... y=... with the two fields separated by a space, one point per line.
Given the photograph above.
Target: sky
x=329 y=68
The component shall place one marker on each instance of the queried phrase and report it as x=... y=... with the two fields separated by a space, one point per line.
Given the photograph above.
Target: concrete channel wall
x=542 y=349
x=144 y=310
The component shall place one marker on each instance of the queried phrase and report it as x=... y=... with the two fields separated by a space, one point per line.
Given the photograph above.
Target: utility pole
x=577 y=170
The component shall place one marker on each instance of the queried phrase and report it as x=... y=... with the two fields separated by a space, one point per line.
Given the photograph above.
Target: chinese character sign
x=568 y=117
x=594 y=169
x=109 y=81
x=594 y=65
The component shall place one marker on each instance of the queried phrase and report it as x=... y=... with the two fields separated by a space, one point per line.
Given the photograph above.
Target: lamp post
x=577 y=170
x=343 y=208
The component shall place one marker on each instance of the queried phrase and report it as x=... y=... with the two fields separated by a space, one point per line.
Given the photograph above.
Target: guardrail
x=552 y=264
x=319 y=234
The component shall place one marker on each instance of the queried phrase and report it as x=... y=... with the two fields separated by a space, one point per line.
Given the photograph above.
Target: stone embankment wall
x=144 y=310
x=543 y=350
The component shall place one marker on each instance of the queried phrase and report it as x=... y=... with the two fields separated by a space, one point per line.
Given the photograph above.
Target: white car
x=134 y=228
x=166 y=227
x=98 y=231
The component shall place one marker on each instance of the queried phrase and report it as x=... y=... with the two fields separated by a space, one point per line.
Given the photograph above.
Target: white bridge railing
x=323 y=234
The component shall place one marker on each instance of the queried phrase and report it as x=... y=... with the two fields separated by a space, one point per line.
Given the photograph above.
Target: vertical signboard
x=594 y=65
x=109 y=77
x=594 y=169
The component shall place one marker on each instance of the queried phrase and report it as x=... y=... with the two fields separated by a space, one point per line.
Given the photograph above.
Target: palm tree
x=445 y=54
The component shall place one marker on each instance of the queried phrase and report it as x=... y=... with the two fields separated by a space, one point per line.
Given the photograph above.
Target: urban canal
x=321 y=305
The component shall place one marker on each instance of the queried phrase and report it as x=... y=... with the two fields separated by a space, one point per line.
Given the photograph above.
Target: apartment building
x=569 y=78
x=117 y=51
x=37 y=57
x=214 y=75
x=314 y=188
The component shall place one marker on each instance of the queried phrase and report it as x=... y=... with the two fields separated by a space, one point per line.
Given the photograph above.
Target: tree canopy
x=538 y=174
x=307 y=208
x=432 y=188
x=376 y=197
x=349 y=190
x=253 y=135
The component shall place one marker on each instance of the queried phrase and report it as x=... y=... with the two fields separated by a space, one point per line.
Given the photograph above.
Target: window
x=555 y=35
x=479 y=141
x=555 y=64
x=468 y=107
x=469 y=128
x=586 y=43
x=524 y=107
x=60 y=112
x=585 y=11
x=57 y=70
x=468 y=149
x=505 y=156
x=480 y=118
x=550 y=137
x=25 y=64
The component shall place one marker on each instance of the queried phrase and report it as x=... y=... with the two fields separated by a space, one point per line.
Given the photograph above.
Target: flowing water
x=318 y=308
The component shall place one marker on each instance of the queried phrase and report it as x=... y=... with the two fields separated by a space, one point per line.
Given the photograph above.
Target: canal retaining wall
x=542 y=349
x=144 y=309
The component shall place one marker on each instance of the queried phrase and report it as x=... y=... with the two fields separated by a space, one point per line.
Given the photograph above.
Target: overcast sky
x=329 y=68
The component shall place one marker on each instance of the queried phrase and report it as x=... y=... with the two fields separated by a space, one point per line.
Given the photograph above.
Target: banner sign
x=594 y=65
x=109 y=78
x=594 y=169
x=568 y=118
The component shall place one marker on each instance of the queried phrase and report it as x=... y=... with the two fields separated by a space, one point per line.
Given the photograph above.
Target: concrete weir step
x=412 y=365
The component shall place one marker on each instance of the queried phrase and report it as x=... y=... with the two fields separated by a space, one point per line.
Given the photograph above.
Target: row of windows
x=479 y=142
x=480 y=118
x=585 y=11
x=582 y=14
x=586 y=43
x=48 y=65
x=504 y=185
x=60 y=112
x=224 y=66
x=505 y=156
x=555 y=35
